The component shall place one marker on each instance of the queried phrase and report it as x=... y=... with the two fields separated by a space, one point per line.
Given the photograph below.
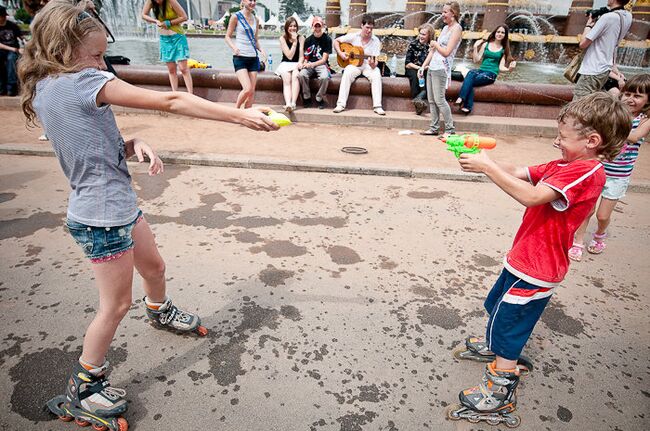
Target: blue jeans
x=474 y=78
x=8 y=76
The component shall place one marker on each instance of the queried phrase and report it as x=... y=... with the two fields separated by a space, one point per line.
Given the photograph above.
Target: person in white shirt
x=371 y=47
x=600 y=41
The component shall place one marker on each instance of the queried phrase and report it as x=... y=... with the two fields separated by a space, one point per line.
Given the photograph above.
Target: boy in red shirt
x=558 y=196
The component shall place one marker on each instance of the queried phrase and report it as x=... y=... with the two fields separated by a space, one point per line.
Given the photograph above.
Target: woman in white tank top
x=245 y=57
x=440 y=62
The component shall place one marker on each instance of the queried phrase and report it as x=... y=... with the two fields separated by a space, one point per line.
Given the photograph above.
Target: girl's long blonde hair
x=57 y=30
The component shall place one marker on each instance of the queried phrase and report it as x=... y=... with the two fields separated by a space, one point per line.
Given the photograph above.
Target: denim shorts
x=252 y=64
x=101 y=244
x=615 y=188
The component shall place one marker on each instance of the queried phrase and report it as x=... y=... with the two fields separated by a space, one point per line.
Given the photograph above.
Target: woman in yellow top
x=173 y=43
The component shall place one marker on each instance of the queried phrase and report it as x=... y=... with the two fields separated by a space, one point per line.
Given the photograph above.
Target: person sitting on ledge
x=292 y=45
x=318 y=48
x=415 y=56
x=371 y=48
x=494 y=55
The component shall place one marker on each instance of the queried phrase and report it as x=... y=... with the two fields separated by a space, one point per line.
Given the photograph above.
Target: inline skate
x=476 y=349
x=168 y=316
x=493 y=401
x=90 y=400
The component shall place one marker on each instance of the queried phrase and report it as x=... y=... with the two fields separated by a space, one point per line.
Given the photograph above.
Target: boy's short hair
x=367 y=19
x=639 y=84
x=602 y=113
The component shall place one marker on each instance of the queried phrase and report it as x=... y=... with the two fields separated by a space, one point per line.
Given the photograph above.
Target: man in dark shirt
x=318 y=48
x=9 y=50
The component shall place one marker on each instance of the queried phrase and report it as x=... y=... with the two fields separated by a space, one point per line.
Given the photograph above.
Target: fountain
x=124 y=19
x=536 y=34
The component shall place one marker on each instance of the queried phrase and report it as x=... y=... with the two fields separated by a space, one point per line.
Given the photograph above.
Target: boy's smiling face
x=575 y=145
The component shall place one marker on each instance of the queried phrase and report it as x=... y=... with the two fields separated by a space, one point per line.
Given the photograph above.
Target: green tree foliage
x=233 y=10
x=22 y=16
x=288 y=7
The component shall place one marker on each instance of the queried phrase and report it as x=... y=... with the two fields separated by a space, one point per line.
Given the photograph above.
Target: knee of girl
x=116 y=312
x=183 y=68
x=602 y=218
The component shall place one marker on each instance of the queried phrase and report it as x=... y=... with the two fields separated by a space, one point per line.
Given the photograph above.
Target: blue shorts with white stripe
x=514 y=306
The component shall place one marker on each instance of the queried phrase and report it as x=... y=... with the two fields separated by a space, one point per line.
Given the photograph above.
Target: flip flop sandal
x=597 y=245
x=575 y=252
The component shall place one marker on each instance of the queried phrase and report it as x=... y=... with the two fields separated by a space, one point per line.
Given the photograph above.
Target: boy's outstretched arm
x=120 y=93
x=512 y=179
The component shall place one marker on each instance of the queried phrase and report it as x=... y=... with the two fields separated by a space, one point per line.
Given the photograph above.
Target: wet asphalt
x=333 y=303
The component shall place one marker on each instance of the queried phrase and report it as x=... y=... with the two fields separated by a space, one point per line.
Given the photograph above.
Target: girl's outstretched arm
x=120 y=93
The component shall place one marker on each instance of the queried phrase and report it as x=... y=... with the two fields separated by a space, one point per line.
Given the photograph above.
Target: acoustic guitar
x=355 y=55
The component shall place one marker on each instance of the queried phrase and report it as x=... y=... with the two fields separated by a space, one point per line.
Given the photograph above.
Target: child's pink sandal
x=575 y=252
x=597 y=245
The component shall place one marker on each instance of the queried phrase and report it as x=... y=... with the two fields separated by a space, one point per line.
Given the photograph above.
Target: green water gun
x=470 y=143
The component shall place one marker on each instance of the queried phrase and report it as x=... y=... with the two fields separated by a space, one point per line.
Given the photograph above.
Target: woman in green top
x=169 y=15
x=495 y=56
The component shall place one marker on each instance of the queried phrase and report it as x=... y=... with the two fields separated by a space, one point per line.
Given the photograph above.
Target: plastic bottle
x=270 y=61
x=421 y=78
x=393 y=66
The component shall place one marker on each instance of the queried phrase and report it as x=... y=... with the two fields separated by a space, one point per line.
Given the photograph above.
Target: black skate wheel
x=513 y=421
x=452 y=412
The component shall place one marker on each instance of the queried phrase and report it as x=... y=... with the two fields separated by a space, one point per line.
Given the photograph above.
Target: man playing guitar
x=371 y=49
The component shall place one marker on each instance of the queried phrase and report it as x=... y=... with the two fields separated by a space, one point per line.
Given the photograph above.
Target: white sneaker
x=379 y=111
x=339 y=109
x=43 y=138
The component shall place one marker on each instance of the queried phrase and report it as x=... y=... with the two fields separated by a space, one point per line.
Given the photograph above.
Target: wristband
x=168 y=23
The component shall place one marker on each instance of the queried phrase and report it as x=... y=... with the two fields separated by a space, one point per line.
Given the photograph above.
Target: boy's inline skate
x=90 y=400
x=476 y=349
x=168 y=316
x=492 y=401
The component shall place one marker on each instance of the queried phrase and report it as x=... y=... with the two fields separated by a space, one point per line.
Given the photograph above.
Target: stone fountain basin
x=526 y=100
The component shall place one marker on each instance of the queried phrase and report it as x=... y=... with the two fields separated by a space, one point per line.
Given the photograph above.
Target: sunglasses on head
x=92 y=14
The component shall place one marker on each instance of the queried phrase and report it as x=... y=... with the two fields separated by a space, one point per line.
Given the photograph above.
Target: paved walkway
x=334 y=303
x=314 y=142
